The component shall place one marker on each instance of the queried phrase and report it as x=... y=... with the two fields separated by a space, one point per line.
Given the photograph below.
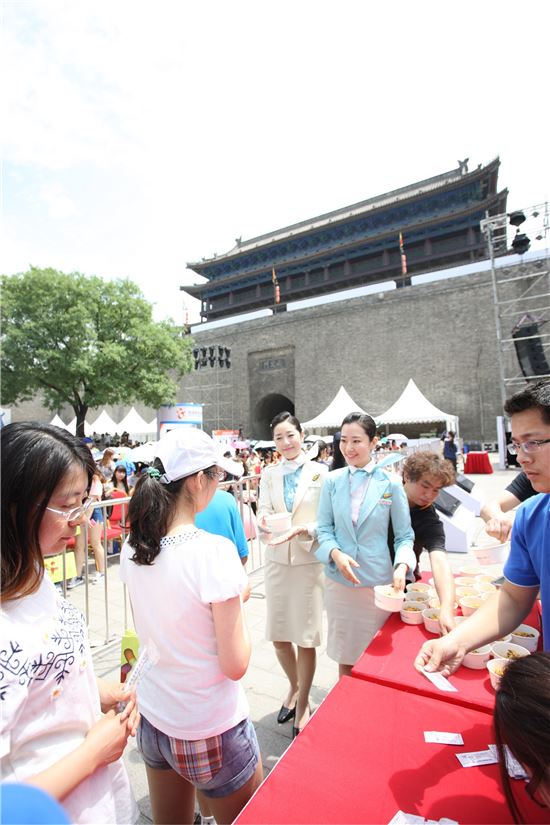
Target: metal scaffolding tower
x=521 y=295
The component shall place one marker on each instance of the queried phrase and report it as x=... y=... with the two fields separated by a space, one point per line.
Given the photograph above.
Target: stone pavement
x=264 y=682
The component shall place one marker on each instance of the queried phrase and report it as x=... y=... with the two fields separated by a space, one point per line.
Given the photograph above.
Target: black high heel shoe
x=286 y=714
x=295 y=730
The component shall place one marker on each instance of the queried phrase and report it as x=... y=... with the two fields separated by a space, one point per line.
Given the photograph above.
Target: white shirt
x=186 y=695
x=50 y=701
x=357 y=495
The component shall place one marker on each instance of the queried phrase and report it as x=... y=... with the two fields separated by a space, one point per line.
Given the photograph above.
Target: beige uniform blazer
x=301 y=549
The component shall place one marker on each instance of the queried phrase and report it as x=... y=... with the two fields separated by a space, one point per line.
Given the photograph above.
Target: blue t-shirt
x=528 y=564
x=222 y=518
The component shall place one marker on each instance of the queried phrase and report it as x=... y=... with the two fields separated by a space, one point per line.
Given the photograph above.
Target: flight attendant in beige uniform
x=293 y=576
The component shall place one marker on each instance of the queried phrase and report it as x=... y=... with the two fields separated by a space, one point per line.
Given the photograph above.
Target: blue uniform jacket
x=367 y=542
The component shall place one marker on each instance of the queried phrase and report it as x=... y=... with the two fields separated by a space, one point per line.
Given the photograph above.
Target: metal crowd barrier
x=245 y=492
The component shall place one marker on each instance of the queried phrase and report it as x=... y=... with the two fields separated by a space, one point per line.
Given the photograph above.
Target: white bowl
x=466 y=591
x=422 y=587
x=279 y=523
x=507 y=638
x=494 y=666
x=492 y=553
x=508 y=650
x=470 y=604
x=430 y=623
x=464 y=581
x=485 y=587
x=417 y=596
x=529 y=642
x=436 y=604
x=386 y=598
x=485 y=577
x=477 y=659
x=411 y=612
x=470 y=570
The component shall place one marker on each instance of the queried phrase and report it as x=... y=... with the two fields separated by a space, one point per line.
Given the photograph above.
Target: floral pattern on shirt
x=63 y=644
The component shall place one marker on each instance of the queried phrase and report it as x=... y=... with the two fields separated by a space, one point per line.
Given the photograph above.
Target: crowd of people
x=348 y=524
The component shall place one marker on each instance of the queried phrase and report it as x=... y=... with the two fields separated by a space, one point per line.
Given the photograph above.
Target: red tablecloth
x=389 y=659
x=477 y=462
x=363 y=757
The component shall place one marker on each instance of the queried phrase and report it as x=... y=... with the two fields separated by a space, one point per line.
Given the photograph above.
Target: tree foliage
x=86 y=342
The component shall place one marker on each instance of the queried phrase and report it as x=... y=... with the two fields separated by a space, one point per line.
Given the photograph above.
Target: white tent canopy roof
x=58 y=422
x=133 y=423
x=412 y=407
x=340 y=406
x=104 y=424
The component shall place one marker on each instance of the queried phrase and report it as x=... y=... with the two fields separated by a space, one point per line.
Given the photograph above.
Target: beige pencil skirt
x=353 y=620
x=294 y=603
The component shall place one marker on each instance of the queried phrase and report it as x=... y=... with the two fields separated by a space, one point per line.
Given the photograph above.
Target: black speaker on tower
x=530 y=352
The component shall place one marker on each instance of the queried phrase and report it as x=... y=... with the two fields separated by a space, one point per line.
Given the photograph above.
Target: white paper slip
x=440 y=682
x=445 y=821
x=471 y=760
x=443 y=738
x=401 y=818
x=514 y=768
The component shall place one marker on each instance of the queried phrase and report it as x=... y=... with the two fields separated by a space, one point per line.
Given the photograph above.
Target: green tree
x=86 y=342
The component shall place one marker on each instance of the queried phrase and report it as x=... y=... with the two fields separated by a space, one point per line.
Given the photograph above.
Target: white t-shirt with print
x=49 y=700
x=186 y=695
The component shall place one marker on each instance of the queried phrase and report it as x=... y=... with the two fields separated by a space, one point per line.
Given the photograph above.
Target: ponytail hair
x=150 y=512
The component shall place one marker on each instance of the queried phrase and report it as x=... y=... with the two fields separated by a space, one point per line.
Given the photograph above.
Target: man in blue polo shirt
x=528 y=567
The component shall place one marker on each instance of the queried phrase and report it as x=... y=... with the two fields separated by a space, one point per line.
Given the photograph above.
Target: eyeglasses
x=527 y=446
x=219 y=475
x=76 y=513
x=532 y=787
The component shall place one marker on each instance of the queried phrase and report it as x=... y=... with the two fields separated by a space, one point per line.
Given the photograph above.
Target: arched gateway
x=266 y=409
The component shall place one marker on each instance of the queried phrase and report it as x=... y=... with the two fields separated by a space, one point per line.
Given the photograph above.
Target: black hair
x=338 y=460
x=151 y=510
x=35 y=459
x=121 y=466
x=534 y=396
x=521 y=719
x=364 y=420
x=321 y=445
x=282 y=417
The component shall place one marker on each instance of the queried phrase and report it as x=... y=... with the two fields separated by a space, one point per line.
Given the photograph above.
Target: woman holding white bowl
x=293 y=575
x=355 y=509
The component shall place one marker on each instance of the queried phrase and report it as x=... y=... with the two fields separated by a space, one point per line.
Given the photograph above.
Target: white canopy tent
x=58 y=422
x=105 y=424
x=412 y=407
x=134 y=424
x=332 y=417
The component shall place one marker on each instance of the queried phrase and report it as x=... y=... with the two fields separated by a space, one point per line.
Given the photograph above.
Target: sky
x=140 y=136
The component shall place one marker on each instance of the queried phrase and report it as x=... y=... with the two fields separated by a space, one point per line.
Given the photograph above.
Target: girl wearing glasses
x=186 y=588
x=522 y=723
x=52 y=732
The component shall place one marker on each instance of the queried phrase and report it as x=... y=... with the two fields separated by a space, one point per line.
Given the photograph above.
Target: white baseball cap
x=186 y=450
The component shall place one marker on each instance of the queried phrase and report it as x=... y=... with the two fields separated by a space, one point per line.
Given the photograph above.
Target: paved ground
x=264 y=682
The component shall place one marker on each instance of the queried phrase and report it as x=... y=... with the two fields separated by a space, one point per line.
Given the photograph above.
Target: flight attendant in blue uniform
x=355 y=508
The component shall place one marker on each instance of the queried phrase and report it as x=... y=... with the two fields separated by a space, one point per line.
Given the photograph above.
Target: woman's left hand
x=400 y=577
x=299 y=530
x=111 y=694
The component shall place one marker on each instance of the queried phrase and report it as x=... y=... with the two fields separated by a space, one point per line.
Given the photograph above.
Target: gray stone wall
x=440 y=334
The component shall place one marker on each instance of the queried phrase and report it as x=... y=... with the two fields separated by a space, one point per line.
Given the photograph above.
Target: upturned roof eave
x=232 y=279
x=341 y=215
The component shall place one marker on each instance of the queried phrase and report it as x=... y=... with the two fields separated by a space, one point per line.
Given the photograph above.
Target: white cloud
x=145 y=135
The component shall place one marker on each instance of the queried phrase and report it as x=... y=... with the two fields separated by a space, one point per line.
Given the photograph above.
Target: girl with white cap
x=186 y=587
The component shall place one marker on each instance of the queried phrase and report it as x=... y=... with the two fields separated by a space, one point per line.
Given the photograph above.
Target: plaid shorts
x=217 y=766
